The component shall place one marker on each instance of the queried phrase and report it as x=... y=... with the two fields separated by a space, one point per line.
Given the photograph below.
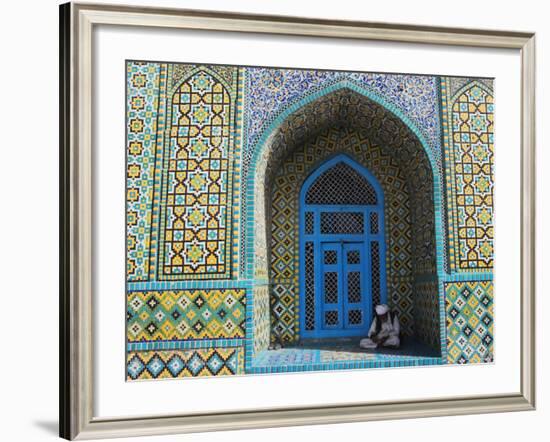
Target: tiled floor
x=341 y=354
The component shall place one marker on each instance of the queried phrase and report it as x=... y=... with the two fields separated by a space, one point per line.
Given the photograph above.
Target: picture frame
x=77 y=24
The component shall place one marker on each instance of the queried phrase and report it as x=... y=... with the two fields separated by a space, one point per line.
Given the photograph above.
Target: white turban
x=381 y=309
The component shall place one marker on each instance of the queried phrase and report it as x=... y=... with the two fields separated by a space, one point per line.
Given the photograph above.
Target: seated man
x=384 y=330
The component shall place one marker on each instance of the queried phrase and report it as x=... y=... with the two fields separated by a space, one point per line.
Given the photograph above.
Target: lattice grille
x=310 y=288
x=375 y=272
x=374 y=223
x=341 y=184
x=309 y=223
x=331 y=317
x=331 y=257
x=354 y=286
x=355 y=317
x=342 y=222
x=331 y=287
x=354 y=257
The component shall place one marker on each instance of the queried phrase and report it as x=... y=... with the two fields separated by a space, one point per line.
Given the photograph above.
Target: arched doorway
x=387 y=142
x=342 y=247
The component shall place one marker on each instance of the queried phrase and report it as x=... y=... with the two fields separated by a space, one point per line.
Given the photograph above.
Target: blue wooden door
x=344 y=297
x=342 y=250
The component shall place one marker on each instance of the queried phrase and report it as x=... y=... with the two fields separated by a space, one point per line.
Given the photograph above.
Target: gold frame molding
x=77 y=21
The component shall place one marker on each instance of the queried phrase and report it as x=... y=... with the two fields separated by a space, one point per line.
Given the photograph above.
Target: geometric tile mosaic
x=469 y=309
x=185 y=314
x=184 y=363
x=196 y=196
x=468 y=119
x=143 y=83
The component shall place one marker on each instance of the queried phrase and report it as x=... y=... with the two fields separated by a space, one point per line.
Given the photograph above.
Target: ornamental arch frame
x=298 y=123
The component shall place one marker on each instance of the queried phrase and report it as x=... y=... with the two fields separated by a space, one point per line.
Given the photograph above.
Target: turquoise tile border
x=183 y=345
x=190 y=284
x=469 y=276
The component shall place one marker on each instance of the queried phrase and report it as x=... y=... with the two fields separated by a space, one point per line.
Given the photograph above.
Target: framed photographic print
x=254 y=207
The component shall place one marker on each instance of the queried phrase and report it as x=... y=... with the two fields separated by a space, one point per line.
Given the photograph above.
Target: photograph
x=284 y=220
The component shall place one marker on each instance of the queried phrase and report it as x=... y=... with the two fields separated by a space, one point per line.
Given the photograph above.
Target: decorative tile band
x=192 y=285
x=144 y=83
x=179 y=364
x=188 y=344
x=185 y=314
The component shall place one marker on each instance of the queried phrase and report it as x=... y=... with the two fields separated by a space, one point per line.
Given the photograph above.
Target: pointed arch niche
x=344 y=120
x=196 y=221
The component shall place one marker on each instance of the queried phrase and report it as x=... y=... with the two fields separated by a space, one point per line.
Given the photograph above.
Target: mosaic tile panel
x=270 y=91
x=468 y=136
x=197 y=200
x=285 y=222
x=185 y=314
x=284 y=316
x=144 y=82
x=184 y=363
x=470 y=329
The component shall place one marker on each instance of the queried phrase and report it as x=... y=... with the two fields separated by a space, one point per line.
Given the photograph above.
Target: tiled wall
x=467 y=109
x=213 y=150
x=174 y=333
x=186 y=314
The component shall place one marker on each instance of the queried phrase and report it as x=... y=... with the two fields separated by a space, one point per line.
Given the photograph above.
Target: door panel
x=355 y=286
x=331 y=283
x=344 y=299
x=342 y=270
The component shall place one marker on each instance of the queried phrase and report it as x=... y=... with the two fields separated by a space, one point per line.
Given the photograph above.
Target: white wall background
x=29 y=183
